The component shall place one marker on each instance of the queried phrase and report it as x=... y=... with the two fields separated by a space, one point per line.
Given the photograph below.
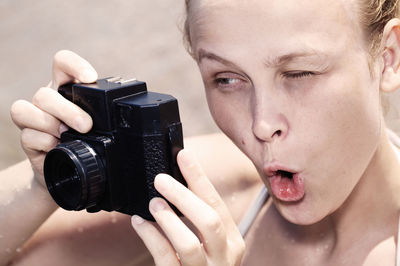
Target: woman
x=297 y=89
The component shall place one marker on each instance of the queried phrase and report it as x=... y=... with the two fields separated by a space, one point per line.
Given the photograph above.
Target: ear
x=391 y=56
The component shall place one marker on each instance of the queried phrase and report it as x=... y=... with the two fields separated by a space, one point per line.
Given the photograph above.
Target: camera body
x=136 y=135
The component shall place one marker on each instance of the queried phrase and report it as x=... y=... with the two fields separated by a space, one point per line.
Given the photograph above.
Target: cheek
x=223 y=111
x=353 y=117
x=342 y=114
x=232 y=114
x=342 y=139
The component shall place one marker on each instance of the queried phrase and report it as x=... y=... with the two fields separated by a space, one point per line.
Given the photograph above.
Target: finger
x=204 y=218
x=203 y=188
x=159 y=247
x=68 y=66
x=37 y=119
x=36 y=144
x=35 y=141
x=37 y=163
x=56 y=105
x=183 y=240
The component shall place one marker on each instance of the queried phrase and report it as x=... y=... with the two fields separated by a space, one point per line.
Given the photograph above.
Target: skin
x=314 y=114
x=294 y=99
x=68 y=238
x=306 y=98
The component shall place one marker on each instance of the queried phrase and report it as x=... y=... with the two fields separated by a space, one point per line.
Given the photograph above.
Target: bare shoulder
x=222 y=160
x=231 y=172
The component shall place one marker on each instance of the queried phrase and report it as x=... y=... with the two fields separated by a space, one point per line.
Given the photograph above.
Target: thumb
x=70 y=67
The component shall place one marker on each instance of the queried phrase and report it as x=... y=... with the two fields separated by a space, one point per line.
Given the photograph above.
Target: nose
x=269 y=124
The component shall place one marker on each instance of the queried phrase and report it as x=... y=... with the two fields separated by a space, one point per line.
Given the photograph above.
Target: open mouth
x=285 y=185
x=283 y=173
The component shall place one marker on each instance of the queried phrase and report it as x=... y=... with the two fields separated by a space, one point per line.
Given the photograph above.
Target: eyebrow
x=270 y=62
x=203 y=54
x=286 y=58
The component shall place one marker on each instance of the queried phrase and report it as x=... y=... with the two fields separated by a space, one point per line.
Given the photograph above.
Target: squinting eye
x=296 y=75
x=229 y=82
x=226 y=81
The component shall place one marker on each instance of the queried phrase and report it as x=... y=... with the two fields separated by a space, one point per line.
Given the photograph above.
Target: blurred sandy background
x=136 y=38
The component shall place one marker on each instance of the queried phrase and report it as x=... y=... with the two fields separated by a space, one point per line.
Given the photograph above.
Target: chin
x=299 y=212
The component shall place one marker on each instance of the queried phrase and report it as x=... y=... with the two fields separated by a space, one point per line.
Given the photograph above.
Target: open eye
x=297 y=75
x=228 y=81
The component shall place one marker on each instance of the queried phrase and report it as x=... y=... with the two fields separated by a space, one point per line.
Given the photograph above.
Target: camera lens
x=74 y=175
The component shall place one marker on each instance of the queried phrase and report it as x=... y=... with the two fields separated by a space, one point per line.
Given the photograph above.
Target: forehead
x=276 y=23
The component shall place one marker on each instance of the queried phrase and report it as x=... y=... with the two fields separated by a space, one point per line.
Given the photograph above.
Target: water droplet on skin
x=80 y=230
x=233 y=197
x=1 y=236
x=113 y=218
x=8 y=250
x=18 y=250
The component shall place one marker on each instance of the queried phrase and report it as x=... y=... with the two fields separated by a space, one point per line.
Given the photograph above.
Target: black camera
x=136 y=135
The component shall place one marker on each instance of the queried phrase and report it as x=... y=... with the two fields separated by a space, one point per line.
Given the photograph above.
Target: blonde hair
x=374 y=15
x=186 y=30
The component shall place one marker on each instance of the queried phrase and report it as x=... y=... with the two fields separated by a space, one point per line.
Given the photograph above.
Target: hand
x=219 y=241
x=45 y=118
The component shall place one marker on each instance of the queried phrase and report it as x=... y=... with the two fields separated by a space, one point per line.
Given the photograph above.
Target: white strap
x=251 y=213
x=398 y=246
x=395 y=141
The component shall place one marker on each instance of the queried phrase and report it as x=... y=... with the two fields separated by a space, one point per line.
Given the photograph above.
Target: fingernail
x=136 y=219
x=162 y=182
x=88 y=75
x=62 y=128
x=157 y=204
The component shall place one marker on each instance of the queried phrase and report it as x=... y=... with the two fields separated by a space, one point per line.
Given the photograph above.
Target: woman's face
x=290 y=84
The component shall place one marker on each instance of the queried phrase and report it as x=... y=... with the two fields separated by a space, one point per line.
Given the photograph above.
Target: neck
x=373 y=206
x=368 y=217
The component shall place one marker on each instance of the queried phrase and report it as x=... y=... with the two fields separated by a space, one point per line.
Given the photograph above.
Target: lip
x=284 y=188
x=270 y=169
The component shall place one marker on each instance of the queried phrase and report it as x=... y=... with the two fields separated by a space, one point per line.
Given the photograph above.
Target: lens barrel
x=74 y=175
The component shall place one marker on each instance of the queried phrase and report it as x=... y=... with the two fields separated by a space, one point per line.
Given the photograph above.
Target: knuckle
x=59 y=56
x=194 y=168
x=213 y=223
x=38 y=163
x=197 y=170
x=190 y=250
x=162 y=252
x=241 y=247
x=39 y=96
x=237 y=248
x=213 y=201
x=49 y=143
x=16 y=109
x=240 y=254
x=26 y=137
x=35 y=140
